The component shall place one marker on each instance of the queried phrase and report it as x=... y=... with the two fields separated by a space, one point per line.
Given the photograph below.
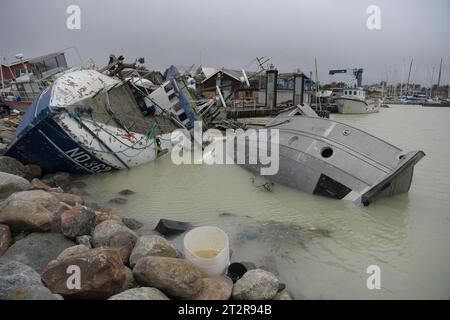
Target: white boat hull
x=356 y=106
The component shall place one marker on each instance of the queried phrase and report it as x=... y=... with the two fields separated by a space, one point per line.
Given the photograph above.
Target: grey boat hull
x=328 y=158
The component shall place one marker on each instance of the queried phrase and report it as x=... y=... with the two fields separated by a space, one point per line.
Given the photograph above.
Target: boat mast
x=439 y=77
x=317 y=86
x=1 y=71
x=409 y=76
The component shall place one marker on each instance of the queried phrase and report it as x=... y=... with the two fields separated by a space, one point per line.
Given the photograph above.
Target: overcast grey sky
x=230 y=33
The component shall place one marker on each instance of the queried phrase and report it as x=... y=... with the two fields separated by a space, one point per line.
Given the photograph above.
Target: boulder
x=38 y=249
x=37 y=184
x=112 y=234
x=70 y=199
x=10 y=183
x=256 y=284
x=219 y=288
x=29 y=211
x=283 y=295
x=59 y=179
x=32 y=171
x=152 y=245
x=72 y=251
x=130 y=282
x=35 y=292
x=78 y=221
x=175 y=277
x=131 y=223
x=85 y=240
x=5 y=238
x=102 y=215
x=12 y=166
x=142 y=293
x=14 y=275
x=101 y=274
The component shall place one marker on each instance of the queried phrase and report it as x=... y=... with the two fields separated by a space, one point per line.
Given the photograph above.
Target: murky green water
x=407 y=236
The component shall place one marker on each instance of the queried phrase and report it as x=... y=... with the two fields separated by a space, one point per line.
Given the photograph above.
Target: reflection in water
x=321 y=247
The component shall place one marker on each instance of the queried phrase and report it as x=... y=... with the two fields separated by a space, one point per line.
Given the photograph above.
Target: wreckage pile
x=8 y=127
x=55 y=246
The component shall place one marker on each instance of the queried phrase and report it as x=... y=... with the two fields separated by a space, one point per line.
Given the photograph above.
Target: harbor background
x=322 y=247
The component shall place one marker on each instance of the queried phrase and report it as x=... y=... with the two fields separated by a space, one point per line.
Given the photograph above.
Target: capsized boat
x=328 y=158
x=89 y=122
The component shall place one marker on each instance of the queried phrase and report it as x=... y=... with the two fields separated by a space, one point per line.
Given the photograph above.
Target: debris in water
x=168 y=227
x=118 y=200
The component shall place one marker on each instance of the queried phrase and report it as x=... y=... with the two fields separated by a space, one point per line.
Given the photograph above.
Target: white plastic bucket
x=208 y=248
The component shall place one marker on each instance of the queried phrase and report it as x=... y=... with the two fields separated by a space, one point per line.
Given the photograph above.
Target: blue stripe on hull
x=49 y=146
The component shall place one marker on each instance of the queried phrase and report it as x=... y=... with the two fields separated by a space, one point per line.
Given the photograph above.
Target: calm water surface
x=321 y=247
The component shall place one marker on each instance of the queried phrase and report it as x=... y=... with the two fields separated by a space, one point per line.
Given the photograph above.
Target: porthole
x=326 y=152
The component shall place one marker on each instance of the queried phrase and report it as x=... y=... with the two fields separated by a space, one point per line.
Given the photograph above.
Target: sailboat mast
x=439 y=77
x=409 y=77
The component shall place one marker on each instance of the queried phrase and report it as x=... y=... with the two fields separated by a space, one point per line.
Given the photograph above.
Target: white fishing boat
x=354 y=100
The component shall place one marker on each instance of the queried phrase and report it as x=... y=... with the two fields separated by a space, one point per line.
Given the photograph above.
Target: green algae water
x=320 y=247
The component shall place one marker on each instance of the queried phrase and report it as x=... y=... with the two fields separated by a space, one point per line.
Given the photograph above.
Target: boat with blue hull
x=88 y=122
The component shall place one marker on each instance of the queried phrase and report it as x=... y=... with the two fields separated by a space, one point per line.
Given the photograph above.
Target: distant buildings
x=38 y=68
x=232 y=81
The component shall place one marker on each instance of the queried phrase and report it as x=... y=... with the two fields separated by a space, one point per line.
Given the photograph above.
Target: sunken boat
x=90 y=122
x=328 y=158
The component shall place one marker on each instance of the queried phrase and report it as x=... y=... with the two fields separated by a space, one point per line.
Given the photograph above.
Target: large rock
x=35 y=292
x=142 y=293
x=29 y=211
x=72 y=251
x=38 y=249
x=283 y=295
x=37 y=184
x=12 y=166
x=219 y=288
x=32 y=171
x=10 y=183
x=70 y=199
x=111 y=233
x=14 y=275
x=152 y=245
x=5 y=238
x=131 y=223
x=104 y=215
x=85 y=240
x=59 y=179
x=101 y=271
x=78 y=221
x=175 y=277
x=130 y=282
x=256 y=284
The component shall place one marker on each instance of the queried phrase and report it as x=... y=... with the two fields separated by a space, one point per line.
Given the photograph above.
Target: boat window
x=354 y=93
x=327 y=152
x=168 y=87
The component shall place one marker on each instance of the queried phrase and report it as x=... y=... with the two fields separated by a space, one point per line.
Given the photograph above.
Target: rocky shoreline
x=54 y=246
